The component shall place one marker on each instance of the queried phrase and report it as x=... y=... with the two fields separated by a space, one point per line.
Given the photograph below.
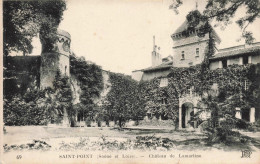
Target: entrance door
x=183 y=114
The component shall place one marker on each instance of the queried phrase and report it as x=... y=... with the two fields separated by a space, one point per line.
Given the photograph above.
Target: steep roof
x=184 y=26
x=236 y=52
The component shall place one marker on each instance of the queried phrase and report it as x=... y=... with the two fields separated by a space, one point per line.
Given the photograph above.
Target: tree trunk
x=120 y=122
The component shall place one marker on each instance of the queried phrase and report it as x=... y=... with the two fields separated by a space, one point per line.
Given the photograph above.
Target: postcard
x=130 y=81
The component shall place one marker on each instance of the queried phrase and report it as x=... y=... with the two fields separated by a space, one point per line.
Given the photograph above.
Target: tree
x=89 y=76
x=123 y=101
x=23 y=20
x=63 y=96
x=224 y=10
x=219 y=125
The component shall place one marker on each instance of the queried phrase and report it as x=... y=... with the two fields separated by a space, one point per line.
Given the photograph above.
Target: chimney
x=156 y=57
x=154 y=53
x=159 y=58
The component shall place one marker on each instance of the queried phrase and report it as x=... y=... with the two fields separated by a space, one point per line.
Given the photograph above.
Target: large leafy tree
x=223 y=11
x=23 y=20
x=89 y=76
x=123 y=100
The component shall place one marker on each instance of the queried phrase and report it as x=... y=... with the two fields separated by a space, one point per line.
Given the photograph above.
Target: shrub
x=18 y=112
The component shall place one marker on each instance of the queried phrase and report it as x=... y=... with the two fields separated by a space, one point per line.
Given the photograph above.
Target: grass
x=111 y=138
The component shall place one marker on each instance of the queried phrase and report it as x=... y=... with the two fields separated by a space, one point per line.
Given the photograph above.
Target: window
x=164 y=82
x=197 y=52
x=182 y=55
x=65 y=70
x=164 y=101
x=246 y=85
x=224 y=63
x=189 y=91
x=245 y=59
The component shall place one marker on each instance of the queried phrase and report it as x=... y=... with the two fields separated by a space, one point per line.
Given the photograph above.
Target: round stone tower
x=54 y=57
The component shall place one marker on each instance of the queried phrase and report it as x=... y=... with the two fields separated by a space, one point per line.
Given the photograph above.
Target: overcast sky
x=118 y=34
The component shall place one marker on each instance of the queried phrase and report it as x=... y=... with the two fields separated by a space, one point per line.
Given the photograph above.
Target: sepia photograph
x=130 y=81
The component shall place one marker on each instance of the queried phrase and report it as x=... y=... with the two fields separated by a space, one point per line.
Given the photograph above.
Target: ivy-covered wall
x=230 y=81
x=122 y=97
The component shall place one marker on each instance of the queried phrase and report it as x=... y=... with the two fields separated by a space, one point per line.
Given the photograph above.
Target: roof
x=236 y=52
x=164 y=65
x=182 y=27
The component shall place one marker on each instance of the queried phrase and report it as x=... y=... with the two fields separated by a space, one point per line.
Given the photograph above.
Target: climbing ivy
x=90 y=79
x=123 y=101
x=230 y=82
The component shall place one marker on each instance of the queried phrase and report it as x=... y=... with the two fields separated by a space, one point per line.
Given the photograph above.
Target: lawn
x=96 y=138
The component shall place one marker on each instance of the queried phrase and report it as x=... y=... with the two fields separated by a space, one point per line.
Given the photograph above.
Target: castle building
x=189 y=49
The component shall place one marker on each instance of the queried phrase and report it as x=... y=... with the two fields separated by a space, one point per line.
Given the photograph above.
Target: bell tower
x=54 y=57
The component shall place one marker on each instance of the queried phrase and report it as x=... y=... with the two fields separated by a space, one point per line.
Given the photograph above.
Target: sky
x=118 y=34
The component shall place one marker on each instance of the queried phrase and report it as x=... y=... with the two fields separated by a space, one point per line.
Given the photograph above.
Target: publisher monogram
x=246 y=153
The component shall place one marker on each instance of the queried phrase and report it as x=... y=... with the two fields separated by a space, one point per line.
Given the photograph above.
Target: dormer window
x=182 y=55
x=197 y=52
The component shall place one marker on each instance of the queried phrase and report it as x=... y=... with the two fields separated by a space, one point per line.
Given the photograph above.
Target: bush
x=222 y=135
x=17 y=112
x=241 y=124
x=35 y=145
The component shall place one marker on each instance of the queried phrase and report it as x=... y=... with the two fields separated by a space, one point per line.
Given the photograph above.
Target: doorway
x=186 y=114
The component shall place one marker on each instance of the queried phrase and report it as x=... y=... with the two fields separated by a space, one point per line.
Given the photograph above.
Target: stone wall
x=76 y=90
x=137 y=75
x=190 y=56
x=214 y=65
x=153 y=74
x=256 y=59
x=189 y=45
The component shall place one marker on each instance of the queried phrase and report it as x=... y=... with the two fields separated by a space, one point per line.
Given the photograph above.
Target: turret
x=55 y=57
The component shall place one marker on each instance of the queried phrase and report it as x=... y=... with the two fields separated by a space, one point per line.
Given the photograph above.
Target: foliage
x=63 y=96
x=35 y=145
x=229 y=82
x=123 y=100
x=23 y=20
x=39 y=107
x=90 y=78
x=150 y=143
x=20 y=74
x=224 y=10
x=140 y=143
x=25 y=110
